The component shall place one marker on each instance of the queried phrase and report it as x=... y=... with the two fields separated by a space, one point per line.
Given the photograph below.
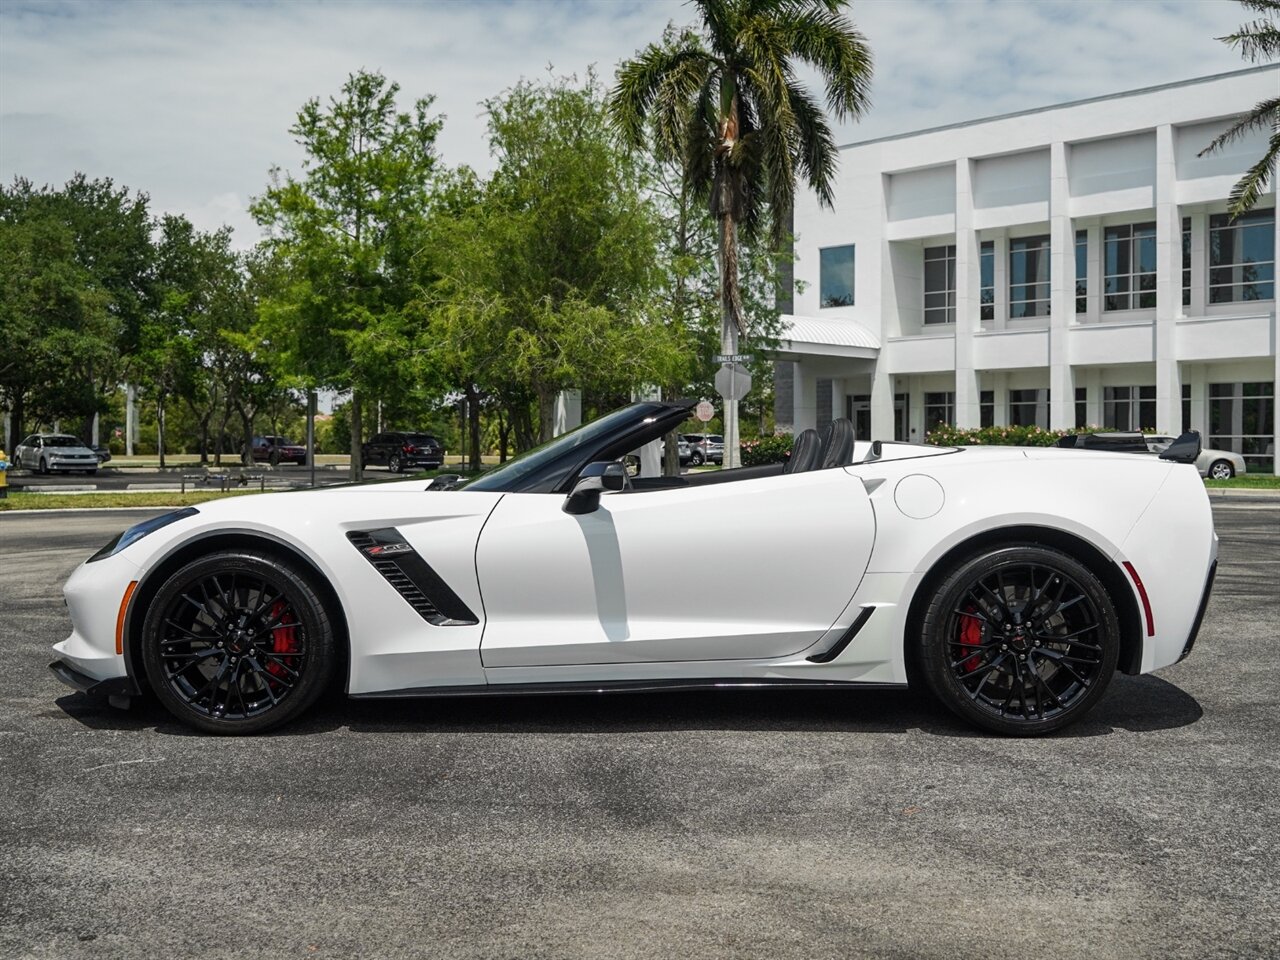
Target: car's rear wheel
x=237 y=642
x=1020 y=640
x=394 y=464
x=1221 y=470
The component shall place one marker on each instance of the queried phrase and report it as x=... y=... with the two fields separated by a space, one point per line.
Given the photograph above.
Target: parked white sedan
x=52 y=452
x=1214 y=464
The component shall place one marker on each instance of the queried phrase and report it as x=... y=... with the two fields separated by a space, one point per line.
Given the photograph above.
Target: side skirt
x=621 y=686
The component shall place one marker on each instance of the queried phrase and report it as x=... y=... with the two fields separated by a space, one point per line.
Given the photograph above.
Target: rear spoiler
x=1185 y=449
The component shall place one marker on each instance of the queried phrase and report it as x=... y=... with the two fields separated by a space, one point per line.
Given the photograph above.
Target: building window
x=1082 y=406
x=1029 y=408
x=940 y=284
x=1242 y=257
x=1186 y=261
x=835 y=271
x=1186 y=407
x=939 y=408
x=1129 y=408
x=987 y=408
x=1082 y=271
x=987 y=294
x=1129 y=267
x=1029 y=277
x=1242 y=418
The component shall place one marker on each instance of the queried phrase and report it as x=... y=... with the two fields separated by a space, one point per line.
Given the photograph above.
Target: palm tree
x=1256 y=40
x=727 y=103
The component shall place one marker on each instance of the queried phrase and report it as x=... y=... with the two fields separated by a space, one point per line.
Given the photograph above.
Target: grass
x=82 y=501
x=1250 y=481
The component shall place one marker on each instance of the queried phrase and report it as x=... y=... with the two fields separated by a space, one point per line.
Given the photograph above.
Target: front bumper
x=115 y=686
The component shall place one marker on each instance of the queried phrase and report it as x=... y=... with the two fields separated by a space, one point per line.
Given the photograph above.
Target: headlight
x=140 y=530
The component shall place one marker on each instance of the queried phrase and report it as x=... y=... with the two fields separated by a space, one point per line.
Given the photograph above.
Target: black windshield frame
x=553 y=466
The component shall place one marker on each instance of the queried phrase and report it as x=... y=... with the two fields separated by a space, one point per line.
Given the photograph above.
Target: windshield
x=530 y=461
x=62 y=442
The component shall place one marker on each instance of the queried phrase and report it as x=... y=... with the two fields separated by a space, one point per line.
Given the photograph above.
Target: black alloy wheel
x=696 y=459
x=394 y=464
x=237 y=642
x=1020 y=640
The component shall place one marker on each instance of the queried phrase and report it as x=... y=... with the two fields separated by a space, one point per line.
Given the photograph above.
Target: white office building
x=1066 y=266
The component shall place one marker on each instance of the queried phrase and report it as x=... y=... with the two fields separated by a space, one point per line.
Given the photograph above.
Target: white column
x=968 y=297
x=1093 y=298
x=1199 y=265
x=130 y=418
x=1168 y=285
x=881 y=403
x=1000 y=394
x=1062 y=291
x=1197 y=374
x=1001 y=277
x=804 y=398
x=1275 y=340
x=568 y=411
x=839 y=389
x=1093 y=397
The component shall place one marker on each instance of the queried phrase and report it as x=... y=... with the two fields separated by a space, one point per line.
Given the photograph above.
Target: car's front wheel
x=696 y=459
x=1221 y=470
x=1019 y=640
x=237 y=642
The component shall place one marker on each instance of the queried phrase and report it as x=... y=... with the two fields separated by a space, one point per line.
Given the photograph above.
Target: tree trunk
x=730 y=312
x=546 y=414
x=504 y=433
x=246 y=426
x=160 y=428
x=473 y=426
x=222 y=435
x=357 y=435
x=16 y=417
x=671 y=455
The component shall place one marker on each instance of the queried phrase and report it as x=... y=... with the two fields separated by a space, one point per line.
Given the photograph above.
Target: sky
x=191 y=102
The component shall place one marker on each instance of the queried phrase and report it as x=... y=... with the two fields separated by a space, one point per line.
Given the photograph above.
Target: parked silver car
x=1214 y=464
x=704 y=448
x=53 y=453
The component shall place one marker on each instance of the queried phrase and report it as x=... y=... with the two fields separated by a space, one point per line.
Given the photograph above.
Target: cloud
x=192 y=102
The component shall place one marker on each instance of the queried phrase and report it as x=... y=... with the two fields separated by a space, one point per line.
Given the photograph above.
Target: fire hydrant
x=4 y=474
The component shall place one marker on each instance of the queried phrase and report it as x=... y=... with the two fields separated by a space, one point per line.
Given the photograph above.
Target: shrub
x=947 y=436
x=757 y=453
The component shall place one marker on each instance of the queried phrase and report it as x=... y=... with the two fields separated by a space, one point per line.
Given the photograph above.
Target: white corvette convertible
x=1012 y=582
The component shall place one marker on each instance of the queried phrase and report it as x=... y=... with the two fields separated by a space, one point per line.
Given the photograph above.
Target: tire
x=43 y=468
x=394 y=464
x=1221 y=470
x=211 y=672
x=696 y=459
x=1009 y=608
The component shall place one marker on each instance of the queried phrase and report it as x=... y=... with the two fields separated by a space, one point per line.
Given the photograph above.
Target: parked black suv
x=396 y=451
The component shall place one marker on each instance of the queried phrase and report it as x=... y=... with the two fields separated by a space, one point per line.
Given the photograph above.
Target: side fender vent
x=412 y=577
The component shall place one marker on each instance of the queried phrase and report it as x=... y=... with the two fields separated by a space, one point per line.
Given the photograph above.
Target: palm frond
x=828 y=41
x=677 y=91
x=1250 y=188
x=1258 y=40
x=1263 y=116
x=815 y=147
x=640 y=81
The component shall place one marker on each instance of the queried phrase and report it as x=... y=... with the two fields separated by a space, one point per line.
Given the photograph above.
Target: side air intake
x=412 y=577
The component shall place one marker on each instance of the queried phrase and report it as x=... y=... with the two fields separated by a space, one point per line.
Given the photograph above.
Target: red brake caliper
x=970 y=639
x=284 y=638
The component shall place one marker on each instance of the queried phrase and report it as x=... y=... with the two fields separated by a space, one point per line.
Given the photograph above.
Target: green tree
x=344 y=230
x=546 y=275
x=1257 y=40
x=726 y=99
x=78 y=264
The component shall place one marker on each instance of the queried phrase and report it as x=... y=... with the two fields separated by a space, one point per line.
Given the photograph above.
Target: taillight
x=409 y=448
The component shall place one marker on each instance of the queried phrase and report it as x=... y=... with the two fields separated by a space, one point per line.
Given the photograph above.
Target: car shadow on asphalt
x=1134 y=704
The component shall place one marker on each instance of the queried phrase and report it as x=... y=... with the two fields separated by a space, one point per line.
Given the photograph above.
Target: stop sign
x=705 y=411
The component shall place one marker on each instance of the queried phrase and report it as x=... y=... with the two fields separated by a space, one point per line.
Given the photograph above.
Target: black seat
x=837 y=444
x=805 y=452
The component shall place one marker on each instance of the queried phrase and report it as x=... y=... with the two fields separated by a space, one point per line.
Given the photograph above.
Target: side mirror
x=1183 y=450
x=595 y=479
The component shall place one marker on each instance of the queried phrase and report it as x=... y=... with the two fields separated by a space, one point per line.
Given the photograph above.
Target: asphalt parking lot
x=696 y=825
